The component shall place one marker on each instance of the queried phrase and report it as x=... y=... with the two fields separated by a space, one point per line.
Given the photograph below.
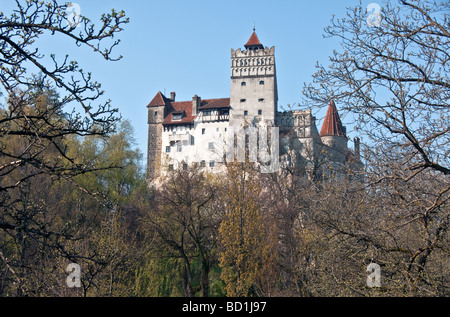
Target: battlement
x=295 y=118
x=253 y=62
x=252 y=53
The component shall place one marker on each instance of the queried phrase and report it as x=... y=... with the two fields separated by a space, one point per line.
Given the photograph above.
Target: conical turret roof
x=253 y=42
x=332 y=125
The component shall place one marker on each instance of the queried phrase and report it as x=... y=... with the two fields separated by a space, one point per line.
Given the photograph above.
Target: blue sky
x=184 y=46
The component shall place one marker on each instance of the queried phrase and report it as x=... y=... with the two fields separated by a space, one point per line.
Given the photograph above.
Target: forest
x=73 y=188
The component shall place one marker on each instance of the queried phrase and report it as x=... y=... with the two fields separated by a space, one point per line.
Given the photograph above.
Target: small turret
x=333 y=133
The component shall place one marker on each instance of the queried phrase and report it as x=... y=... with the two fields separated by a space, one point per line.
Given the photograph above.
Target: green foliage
x=241 y=233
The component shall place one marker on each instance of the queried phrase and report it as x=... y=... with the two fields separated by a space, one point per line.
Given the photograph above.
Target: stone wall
x=154 y=148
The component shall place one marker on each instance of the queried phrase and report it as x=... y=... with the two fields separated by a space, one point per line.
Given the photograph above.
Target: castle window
x=211 y=145
x=156 y=114
x=176 y=117
x=243 y=100
x=185 y=166
x=259 y=112
x=243 y=83
x=167 y=149
x=203 y=131
x=261 y=100
x=261 y=82
x=245 y=113
x=203 y=163
x=211 y=164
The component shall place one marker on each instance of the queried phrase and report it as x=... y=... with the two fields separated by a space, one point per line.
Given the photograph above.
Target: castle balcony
x=216 y=117
x=179 y=137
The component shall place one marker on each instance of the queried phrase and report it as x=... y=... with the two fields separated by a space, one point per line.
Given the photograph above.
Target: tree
x=186 y=224
x=38 y=123
x=347 y=229
x=394 y=79
x=37 y=130
x=113 y=239
x=242 y=232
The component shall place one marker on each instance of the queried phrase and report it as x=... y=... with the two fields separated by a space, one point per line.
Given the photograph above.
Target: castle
x=208 y=131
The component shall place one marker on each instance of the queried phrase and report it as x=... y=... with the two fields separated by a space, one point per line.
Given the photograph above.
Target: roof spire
x=254 y=43
x=332 y=125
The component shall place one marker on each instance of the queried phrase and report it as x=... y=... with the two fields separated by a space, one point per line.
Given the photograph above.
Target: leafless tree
x=36 y=123
x=185 y=223
x=393 y=77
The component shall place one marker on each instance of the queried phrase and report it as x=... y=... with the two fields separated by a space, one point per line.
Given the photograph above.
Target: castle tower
x=157 y=110
x=333 y=133
x=254 y=94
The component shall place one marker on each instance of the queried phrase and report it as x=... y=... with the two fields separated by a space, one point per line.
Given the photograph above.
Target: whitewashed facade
x=182 y=133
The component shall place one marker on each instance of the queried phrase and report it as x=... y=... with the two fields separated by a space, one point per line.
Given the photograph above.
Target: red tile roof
x=332 y=125
x=158 y=100
x=186 y=107
x=253 y=42
x=180 y=107
x=215 y=103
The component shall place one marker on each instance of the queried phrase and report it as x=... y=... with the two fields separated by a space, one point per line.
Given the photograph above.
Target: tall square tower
x=254 y=94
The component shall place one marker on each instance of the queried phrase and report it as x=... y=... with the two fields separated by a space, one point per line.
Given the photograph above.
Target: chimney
x=357 y=147
x=196 y=102
x=172 y=96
